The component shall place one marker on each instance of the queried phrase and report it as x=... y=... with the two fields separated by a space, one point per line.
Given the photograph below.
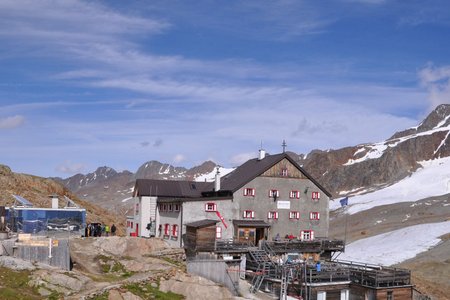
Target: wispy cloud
x=69 y=167
x=11 y=122
x=437 y=82
x=179 y=158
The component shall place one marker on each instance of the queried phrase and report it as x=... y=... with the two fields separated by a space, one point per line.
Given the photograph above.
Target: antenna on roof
x=284 y=145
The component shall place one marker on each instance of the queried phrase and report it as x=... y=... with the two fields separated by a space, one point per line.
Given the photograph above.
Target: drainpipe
x=181 y=224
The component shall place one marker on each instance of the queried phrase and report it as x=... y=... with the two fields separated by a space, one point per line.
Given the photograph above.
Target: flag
x=344 y=201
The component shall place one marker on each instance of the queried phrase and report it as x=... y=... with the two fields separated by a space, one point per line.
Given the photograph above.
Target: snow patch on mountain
x=209 y=177
x=376 y=150
x=433 y=179
x=385 y=249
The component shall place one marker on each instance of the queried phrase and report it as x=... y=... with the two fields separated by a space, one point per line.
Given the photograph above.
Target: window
x=218 y=232
x=210 y=207
x=315 y=195
x=314 y=215
x=294 y=215
x=249 y=192
x=170 y=207
x=164 y=207
x=175 y=230
x=176 y=207
x=166 y=229
x=248 y=214
x=294 y=195
x=390 y=295
x=284 y=172
x=274 y=193
x=272 y=215
x=307 y=235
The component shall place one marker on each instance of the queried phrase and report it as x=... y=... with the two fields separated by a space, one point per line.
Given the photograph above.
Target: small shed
x=200 y=237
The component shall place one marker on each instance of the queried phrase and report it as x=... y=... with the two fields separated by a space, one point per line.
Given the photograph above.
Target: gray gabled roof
x=169 y=188
x=255 y=167
x=230 y=182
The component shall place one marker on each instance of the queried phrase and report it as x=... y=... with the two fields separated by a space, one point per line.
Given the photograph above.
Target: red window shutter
x=245 y=192
x=253 y=192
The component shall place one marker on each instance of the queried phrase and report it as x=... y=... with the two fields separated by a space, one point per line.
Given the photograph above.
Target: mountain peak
x=438 y=118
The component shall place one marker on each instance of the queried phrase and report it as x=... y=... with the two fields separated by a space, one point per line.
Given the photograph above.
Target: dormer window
x=210 y=207
x=294 y=195
x=274 y=193
x=249 y=192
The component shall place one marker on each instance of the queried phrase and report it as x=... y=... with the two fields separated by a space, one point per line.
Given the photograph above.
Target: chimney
x=55 y=201
x=262 y=154
x=217 y=180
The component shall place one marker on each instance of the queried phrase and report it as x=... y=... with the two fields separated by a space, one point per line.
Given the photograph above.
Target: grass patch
x=112 y=268
x=14 y=285
x=103 y=296
x=147 y=291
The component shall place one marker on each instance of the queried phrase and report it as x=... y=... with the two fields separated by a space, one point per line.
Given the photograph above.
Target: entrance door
x=247 y=235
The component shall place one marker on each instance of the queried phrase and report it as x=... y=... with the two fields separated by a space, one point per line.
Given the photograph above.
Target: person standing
x=113 y=230
x=107 y=230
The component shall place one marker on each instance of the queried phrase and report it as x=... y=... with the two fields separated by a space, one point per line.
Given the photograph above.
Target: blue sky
x=90 y=83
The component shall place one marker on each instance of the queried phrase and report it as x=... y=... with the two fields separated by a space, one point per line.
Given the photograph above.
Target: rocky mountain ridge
x=111 y=189
x=355 y=169
x=371 y=166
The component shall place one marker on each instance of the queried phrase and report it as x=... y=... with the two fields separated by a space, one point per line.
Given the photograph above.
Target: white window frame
x=294 y=215
x=307 y=235
x=176 y=207
x=272 y=215
x=294 y=195
x=249 y=192
x=274 y=191
x=248 y=214
x=315 y=196
x=169 y=207
x=284 y=172
x=314 y=215
x=218 y=232
x=210 y=207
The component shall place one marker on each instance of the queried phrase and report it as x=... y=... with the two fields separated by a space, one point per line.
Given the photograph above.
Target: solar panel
x=23 y=201
x=70 y=202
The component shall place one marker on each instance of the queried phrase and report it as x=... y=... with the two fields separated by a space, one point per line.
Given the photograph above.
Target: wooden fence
x=219 y=271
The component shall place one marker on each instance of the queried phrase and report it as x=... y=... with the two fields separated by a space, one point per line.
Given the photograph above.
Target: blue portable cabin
x=24 y=218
